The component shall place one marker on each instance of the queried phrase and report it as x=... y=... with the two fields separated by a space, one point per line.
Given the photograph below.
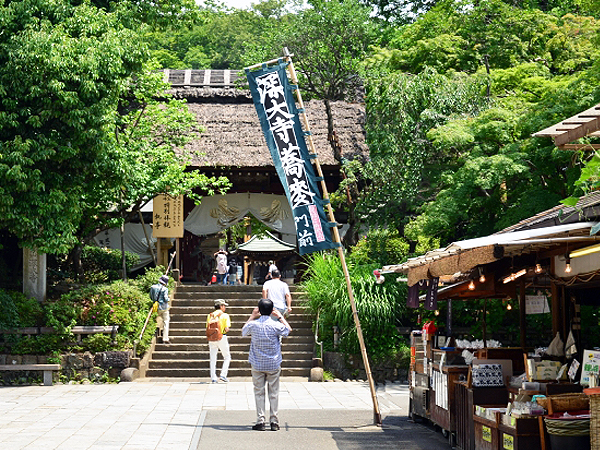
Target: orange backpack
x=213 y=330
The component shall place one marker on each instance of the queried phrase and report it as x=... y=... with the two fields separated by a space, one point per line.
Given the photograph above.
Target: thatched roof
x=233 y=137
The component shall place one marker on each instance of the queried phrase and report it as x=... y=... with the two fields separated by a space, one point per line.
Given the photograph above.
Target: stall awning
x=463 y=256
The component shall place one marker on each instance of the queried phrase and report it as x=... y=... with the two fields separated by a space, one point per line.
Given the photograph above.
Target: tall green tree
x=79 y=132
x=455 y=146
x=405 y=168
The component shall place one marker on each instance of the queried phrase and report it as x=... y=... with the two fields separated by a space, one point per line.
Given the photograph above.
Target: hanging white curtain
x=219 y=212
x=134 y=241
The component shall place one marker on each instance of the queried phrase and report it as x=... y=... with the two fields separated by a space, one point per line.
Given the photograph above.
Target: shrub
x=381 y=247
x=96 y=343
x=380 y=306
x=38 y=345
x=118 y=303
x=19 y=311
x=106 y=263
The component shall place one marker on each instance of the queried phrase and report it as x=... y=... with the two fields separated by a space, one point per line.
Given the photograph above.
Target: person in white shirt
x=278 y=292
x=272 y=268
x=221 y=258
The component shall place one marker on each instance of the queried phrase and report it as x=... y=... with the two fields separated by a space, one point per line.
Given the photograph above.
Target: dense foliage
x=380 y=306
x=85 y=142
x=453 y=89
x=452 y=102
x=124 y=304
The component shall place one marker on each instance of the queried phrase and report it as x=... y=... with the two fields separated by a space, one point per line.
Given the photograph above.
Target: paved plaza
x=182 y=415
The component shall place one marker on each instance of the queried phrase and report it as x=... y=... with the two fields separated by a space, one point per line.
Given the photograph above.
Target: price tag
x=486 y=433
x=509 y=442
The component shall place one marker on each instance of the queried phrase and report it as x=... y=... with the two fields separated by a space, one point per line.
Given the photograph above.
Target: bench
x=47 y=368
x=94 y=329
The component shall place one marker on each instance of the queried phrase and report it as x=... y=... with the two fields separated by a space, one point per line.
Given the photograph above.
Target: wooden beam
x=555 y=308
x=571 y=135
x=580 y=147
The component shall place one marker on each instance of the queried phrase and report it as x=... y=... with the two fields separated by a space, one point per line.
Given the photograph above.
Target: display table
x=466 y=398
x=442 y=405
x=518 y=433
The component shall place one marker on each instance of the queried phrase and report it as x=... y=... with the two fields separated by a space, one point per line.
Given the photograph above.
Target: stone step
x=174 y=348
x=237 y=320
x=188 y=356
x=202 y=339
x=212 y=289
x=234 y=372
x=192 y=299
x=179 y=329
x=205 y=363
x=234 y=309
x=240 y=353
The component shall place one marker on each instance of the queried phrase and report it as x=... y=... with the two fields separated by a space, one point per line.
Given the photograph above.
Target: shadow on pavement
x=321 y=429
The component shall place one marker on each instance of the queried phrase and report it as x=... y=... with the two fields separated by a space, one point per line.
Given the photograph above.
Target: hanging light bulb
x=508 y=306
x=437 y=312
x=568 y=266
x=538 y=268
x=481 y=276
x=472 y=285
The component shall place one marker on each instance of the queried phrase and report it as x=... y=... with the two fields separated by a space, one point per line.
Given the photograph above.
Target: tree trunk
x=75 y=260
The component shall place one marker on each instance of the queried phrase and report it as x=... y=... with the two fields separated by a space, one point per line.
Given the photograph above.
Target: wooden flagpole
x=336 y=237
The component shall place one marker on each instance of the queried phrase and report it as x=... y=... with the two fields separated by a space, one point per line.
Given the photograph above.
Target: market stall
x=515 y=265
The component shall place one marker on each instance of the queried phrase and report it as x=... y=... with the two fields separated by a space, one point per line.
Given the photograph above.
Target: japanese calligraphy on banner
x=167 y=216
x=276 y=108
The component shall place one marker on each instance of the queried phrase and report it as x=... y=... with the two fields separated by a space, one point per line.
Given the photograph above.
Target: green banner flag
x=274 y=101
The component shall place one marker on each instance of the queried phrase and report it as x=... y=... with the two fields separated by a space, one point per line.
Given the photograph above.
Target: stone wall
x=350 y=367
x=75 y=366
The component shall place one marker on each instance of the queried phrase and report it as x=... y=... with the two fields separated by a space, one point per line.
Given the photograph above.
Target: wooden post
x=522 y=314
x=247 y=280
x=159 y=254
x=449 y=318
x=336 y=237
x=177 y=258
x=485 y=323
x=565 y=316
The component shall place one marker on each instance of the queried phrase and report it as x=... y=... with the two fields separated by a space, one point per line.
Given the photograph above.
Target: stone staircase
x=187 y=355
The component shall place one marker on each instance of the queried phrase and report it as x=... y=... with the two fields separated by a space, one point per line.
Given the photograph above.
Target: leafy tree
x=55 y=129
x=493 y=34
x=222 y=38
x=84 y=142
x=329 y=40
x=404 y=166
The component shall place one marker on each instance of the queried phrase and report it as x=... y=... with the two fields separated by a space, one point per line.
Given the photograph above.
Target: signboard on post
x=536 y=304
x=167 y=216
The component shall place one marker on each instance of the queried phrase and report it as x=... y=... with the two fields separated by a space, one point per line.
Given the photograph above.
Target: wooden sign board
x=167 y=216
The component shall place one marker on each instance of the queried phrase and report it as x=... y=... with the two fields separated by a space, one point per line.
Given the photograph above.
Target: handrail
x=139 y=339
x=319 y=343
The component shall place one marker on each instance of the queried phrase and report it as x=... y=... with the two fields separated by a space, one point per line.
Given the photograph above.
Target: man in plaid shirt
x=265 y=358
